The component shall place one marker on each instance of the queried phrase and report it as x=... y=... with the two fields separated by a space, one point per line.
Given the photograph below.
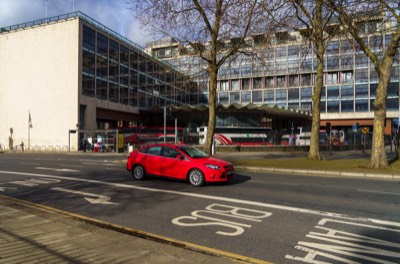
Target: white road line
x=211 y=197
x=55 y=169
x=101 y=164
x=382 y=192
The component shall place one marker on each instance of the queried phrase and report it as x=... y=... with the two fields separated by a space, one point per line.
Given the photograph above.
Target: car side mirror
x=179 y=157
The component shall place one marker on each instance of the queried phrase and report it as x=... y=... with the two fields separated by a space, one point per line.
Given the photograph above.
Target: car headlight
x=214 y=167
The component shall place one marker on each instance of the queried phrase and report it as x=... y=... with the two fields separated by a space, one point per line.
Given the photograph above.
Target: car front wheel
x=138 y=172
x=196 y=177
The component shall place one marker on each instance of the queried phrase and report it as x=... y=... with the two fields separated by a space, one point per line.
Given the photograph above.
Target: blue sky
x=112 y=13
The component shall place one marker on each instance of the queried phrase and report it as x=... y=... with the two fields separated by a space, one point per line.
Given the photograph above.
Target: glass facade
x=288 y=71
x=118 y=72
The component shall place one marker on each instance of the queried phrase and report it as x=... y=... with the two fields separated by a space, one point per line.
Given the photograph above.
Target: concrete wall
x=39 y=75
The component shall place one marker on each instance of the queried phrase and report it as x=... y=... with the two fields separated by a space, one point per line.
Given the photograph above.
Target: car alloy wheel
x=196 y=177
x=138 y=172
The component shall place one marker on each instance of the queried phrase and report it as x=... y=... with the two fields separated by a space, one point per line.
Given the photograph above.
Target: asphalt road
x=278 y=218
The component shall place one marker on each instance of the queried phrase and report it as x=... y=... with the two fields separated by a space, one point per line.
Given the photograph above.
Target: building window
x=306 y=93
x=347 y=91
x=333 y=92
x=281 y=81
x=257 y=96
x=281 y=95
x=332 y=62
x=224 y=85
x=101 y=89
x=361 y=91
x=306 y=80
x=293 y=94
x=224 y=98
x=362 y=105
x=361 y=76
x=269 y=82
x=392 y=104
x=293 y=80
x=393 y=89
x=89 y=38
x=306 y=106
x=269 y=96
x=257 y=83
x=347 y=106
x=347 y=77
x=234 y=97
x=235 y=85
x=246 y=97
x=245 y=84
x=361 y=60
x=102 y=45
x=294 y=105
x=347 y=61
x=88 y=62
x=333 y=107
x=332 y=78
x=88 y=85
x=323 y=107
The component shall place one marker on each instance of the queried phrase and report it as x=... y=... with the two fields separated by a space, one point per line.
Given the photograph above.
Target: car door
x=151 y=160
x=173 y=162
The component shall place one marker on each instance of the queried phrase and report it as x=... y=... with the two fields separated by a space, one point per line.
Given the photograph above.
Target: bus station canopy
x=289 y=113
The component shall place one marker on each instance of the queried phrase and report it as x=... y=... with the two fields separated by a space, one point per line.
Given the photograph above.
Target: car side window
x=156 y=150
x=169 y=152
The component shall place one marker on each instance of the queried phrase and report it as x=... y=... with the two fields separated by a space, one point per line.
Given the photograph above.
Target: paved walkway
x=32 y=233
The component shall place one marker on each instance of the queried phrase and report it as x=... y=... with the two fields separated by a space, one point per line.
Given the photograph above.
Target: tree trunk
x=378 y=152
x=313 y=153
x=213 y=71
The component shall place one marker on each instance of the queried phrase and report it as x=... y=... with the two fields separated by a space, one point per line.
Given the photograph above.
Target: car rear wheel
x=138 y=172
x=196 y=177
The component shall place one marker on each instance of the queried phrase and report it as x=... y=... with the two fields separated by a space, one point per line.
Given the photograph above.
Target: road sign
x=365 y=130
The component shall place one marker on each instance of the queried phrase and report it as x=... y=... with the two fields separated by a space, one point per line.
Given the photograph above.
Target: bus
x=300 y=137
x=237 y=135
x=148 y=134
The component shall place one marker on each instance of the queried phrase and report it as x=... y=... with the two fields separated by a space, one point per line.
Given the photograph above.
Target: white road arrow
x=54 y=169
x=99 y=199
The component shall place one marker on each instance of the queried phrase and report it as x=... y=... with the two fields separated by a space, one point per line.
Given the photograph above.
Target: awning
x=268 y=109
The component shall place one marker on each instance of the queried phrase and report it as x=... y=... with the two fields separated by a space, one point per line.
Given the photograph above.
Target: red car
x=180 y=162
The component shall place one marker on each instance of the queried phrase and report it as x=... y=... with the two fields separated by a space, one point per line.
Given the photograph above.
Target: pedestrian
x=84 y=144
x=22 y=145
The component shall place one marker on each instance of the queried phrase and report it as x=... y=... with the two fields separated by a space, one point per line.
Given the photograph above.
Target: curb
x=323 y=173
x=141 y=234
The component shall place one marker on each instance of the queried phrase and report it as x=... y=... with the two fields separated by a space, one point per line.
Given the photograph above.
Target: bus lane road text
x=233 y=217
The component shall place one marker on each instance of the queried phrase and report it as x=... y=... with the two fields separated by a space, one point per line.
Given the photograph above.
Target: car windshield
x=193 y=152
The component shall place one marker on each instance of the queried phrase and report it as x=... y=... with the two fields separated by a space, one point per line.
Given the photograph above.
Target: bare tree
x=363 y=17
x=313 y=20
x=215 y=30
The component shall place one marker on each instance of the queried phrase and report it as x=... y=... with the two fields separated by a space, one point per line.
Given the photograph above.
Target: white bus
x=236 y=135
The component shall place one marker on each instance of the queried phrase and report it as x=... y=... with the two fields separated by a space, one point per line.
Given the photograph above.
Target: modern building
x=67 y=73
x=286 y=74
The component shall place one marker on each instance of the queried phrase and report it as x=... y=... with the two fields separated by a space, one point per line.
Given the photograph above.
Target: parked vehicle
x=246 y=136
x=178 y=161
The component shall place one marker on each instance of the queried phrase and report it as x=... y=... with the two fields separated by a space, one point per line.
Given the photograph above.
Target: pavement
x=34 y=233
